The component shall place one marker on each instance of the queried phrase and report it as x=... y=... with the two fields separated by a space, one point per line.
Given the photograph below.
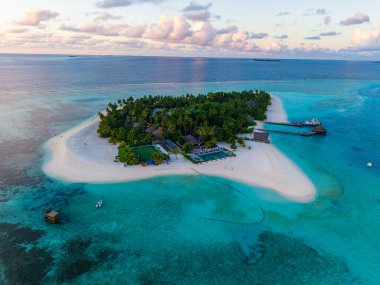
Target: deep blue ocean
x=158 y=231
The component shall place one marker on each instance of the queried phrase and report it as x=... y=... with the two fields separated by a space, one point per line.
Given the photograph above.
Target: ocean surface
x=163 y=230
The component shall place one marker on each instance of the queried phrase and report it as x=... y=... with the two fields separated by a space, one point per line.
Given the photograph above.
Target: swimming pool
x=204 y=157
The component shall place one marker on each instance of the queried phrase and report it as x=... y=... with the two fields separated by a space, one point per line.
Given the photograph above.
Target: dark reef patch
x=79 y=258
x=275 y=259
x=357 y=149
x=23 y=261
x=291 y=261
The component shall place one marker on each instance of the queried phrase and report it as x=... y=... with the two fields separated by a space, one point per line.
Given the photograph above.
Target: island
x=153 y=136
x=149 y=128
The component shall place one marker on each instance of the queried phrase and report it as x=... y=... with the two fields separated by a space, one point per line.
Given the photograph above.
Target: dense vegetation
x=213 y=117
x=126 y=155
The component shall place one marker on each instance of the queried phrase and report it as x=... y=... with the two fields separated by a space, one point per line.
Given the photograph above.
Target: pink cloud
x=35 y=17
x=366 y=39
x=175 y=29
x=359 y=18
x=17 y=30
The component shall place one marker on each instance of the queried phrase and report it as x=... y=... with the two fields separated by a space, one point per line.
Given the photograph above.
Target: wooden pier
x=303 y=134
x=287 y=124
x=317 y=130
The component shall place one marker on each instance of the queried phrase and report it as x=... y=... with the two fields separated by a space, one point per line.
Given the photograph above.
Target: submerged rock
x=23 y=261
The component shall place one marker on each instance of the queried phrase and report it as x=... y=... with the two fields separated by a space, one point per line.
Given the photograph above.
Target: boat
x=99 y=204
x=312 y=122
x=369 y=164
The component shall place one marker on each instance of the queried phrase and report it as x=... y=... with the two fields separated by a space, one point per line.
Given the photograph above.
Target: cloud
x=258 y=36
x=122 y=3
x=17 y=30
x=321 y=12
x=175 y=29
x=275 y=48
x=329 y=34
x=279 y=24
x=282 y=37
x=135 y=31
x=204 y=34
x=359 y=18
x=197 y=12
x=327 y=20
x=94 y=28
x=312 y=12
x=35 y=17
x=105 y=16
x=282 y=14
x=366 y=39
x=316 y=38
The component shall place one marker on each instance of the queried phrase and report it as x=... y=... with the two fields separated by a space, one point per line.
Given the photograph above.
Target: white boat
x=99 y=204
x=312 y=122
x=369 y=164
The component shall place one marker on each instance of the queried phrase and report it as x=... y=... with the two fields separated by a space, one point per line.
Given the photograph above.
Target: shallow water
x=190 y=229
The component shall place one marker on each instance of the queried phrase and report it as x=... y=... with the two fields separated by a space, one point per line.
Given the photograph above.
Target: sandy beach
x=79 y=155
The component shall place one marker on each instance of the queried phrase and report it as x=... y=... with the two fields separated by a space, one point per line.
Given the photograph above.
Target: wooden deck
x=303 y=134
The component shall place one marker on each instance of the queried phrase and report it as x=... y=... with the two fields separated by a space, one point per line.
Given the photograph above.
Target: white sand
x=79 y=155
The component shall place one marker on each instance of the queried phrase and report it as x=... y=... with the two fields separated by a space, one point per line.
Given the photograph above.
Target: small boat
x=312 y=122
x=99 y=204
x=369 y=164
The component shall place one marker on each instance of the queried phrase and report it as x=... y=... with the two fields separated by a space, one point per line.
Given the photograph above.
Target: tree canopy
x=214 y=117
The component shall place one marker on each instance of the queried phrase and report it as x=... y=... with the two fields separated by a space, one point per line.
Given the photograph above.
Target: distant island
x=266 y=59
x=181 y=123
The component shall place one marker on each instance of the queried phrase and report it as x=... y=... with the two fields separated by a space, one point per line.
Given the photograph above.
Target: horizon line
x=179 y=56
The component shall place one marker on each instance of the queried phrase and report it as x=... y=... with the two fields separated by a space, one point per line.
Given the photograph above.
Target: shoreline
x=79 y=155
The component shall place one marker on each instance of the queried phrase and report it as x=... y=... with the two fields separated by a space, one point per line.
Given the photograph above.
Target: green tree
x=159 y=158
x=187 y=147
x=126 y=155
x=175 y=152
x=240 y=141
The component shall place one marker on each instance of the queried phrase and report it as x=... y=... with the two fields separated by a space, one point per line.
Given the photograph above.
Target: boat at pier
x=312 y=122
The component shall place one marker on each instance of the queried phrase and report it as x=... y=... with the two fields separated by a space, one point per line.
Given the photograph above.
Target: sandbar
x=79 y=155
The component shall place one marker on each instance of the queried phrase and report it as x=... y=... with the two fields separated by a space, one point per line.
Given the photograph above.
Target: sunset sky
x=333 y=29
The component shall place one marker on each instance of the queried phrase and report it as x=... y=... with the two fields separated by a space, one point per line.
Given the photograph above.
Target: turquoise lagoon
x=190 y=229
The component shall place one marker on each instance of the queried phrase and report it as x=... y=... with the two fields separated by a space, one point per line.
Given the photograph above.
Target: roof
x=158 y=134
x=192 y=139
x=52 y=214
x=168 y=145
x=260 y=136
x=250 y=118
x=151 y=130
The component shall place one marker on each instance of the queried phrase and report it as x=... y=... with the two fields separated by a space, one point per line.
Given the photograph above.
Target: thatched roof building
x=150 y=130
x=156 y=133
x=193 y=140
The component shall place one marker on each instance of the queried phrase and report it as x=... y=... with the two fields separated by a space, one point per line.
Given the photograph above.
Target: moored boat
x=99 y=204
x=312 y=122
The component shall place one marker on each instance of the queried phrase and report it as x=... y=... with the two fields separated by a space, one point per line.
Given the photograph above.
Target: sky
x=333 y=29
